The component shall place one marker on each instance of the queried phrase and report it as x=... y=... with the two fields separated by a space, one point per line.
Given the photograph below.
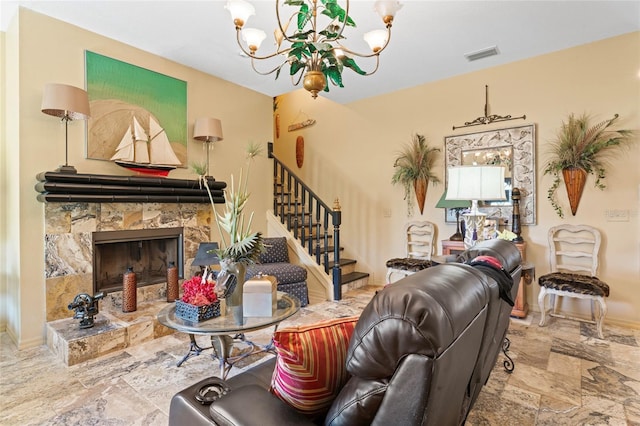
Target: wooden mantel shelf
x=81 y=187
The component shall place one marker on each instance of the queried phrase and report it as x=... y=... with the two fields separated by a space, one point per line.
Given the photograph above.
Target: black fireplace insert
x=147 y=251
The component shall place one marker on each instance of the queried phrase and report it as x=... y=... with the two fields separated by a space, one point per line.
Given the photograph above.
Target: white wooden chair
x=573 y=254
x=419 y=237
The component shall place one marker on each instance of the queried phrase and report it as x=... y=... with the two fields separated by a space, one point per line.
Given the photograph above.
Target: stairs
x=314 y=227
x=351 y=279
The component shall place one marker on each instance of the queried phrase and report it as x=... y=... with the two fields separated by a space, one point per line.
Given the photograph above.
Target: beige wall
x=53 y=51
x=349 y=153
x=9 y=290
x=3 y=188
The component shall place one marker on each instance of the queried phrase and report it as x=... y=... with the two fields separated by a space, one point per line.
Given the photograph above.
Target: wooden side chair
x=420 y=236
x=573 y=252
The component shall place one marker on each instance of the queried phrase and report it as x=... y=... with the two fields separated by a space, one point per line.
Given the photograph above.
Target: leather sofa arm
x=252 y=405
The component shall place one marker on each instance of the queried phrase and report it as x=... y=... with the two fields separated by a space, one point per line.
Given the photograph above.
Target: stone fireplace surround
x=69 y=271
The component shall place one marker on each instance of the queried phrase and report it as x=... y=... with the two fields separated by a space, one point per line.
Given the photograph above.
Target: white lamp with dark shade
x=69 y=103
x=475 y=183
x=207 y=130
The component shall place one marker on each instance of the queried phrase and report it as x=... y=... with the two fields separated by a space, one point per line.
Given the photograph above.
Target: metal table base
x=222 y=346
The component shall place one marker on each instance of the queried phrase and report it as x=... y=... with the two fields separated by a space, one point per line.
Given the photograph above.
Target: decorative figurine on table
x=86 y=307
x=515 y=196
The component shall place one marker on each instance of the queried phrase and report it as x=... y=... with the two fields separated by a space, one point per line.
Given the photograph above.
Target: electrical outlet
x=386 y=212
x=616 y=215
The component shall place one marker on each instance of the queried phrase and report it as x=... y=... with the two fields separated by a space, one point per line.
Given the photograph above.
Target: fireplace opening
x=147 y=251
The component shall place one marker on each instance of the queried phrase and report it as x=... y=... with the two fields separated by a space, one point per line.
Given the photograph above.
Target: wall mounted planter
x=420 y=187
x=574 y=180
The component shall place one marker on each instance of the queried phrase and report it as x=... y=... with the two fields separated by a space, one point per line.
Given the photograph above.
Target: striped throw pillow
x=310 y=366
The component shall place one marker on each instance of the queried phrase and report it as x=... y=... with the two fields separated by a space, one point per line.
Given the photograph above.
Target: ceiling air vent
x=479 y=54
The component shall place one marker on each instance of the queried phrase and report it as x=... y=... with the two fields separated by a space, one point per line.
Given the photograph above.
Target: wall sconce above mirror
x=513 y=148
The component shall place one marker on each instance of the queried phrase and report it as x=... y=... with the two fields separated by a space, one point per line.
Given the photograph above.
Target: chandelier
x=314 y=51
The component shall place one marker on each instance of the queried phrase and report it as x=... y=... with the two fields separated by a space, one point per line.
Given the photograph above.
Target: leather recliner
x=419 y=355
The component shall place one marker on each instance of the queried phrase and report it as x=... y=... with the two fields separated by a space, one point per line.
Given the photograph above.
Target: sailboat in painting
x=146 y=153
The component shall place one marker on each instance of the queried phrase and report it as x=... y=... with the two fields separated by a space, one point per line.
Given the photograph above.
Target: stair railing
x=308 y=218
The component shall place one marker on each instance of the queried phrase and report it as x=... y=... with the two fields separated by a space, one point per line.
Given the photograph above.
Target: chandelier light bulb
x=376 y=39
x=253 y=37
x=387 y=10
x=240 y=11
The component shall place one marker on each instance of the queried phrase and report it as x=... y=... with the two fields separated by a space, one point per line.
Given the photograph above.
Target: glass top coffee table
x=224 y=331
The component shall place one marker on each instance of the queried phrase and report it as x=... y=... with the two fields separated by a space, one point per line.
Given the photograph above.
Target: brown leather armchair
x=420 y=354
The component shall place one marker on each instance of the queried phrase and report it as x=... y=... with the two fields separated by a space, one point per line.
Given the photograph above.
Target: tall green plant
x=238 y=242
x=579 y=144
x=414 y=162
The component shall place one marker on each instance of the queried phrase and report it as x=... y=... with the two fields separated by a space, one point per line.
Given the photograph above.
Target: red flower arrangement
x=199 y=292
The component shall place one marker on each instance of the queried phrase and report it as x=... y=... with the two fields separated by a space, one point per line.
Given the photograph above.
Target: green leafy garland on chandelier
x=319 y=55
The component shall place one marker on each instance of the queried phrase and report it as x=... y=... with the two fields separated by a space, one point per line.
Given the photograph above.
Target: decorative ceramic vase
x=129 y=291
x=173 y=291
x=574 y=180
x=232 y=274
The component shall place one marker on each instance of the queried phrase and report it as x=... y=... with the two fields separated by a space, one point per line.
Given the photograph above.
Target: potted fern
x=413 y=170
x=579 y=149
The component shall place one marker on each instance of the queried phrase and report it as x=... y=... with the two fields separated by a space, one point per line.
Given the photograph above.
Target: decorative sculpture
x=86 y=307
x=515 y=223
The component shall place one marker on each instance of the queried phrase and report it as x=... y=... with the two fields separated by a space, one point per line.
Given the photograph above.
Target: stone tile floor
x=564 y=375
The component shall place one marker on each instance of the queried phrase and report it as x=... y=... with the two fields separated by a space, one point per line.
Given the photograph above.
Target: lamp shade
x=387 y=8
x=203 y=257
x=376 y=39
x=475 y=183
x=61 y=100
x=240 y=11
x=443 y=203
x=207 y=129
x=253 y=37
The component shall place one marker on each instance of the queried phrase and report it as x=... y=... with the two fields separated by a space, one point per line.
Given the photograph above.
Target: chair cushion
x=299 y=290
x=310 y=366
x=408 y=264
x=276 y=250
x=575 y=283
x=285 y=273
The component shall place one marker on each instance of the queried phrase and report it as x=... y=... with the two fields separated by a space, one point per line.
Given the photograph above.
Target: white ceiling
x=428 y=42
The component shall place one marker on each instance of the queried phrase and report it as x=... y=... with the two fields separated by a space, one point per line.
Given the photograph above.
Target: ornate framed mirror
x=513 y=147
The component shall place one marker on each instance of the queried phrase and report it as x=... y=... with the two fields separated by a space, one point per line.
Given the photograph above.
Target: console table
x=222 y=328
x=520 y=307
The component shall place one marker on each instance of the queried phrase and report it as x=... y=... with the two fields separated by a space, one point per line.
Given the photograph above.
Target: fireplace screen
x=148 y=251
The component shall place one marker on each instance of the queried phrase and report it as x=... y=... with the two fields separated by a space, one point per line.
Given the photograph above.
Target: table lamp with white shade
x=475 y=183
